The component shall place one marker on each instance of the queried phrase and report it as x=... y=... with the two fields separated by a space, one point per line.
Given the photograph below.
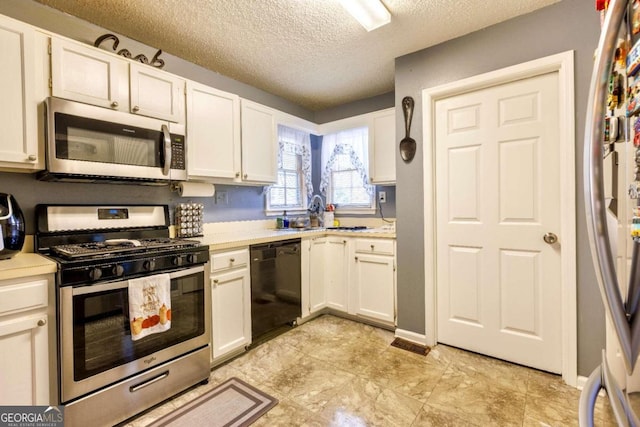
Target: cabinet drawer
x=375 y=246
x=231 y=259
x=23 y=296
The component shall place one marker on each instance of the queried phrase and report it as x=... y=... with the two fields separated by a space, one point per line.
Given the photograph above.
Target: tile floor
x=336 y=372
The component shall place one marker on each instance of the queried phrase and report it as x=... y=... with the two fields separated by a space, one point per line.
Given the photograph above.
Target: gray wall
x=355 y=108
x=568 y=25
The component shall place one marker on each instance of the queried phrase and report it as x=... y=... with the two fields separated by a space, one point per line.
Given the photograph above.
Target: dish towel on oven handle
x=149 y=305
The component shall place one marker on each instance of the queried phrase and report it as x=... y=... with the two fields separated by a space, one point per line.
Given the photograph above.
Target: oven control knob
x=176 y=260
x=192 y=258
x=95 y=273
x=118 y=270
x=149 y=265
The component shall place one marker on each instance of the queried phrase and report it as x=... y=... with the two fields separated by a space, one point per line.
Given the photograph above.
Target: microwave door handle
x=166 y=146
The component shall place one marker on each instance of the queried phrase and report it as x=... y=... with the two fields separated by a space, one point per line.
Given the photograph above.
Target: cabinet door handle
x=32 y=157
x=215 y=281
x=372 y=247
x=344 y=242
x=42 y=322
x=115 y=104
x=232 y=260
x=245 y=176
x=237 y=174
x=356 y=258
x=135 y=109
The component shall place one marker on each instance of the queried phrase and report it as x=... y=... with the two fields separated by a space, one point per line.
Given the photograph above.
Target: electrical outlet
x=382 y=197
x=222 y=198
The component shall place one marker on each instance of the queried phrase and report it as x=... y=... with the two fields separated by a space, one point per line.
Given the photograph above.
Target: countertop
x=25 y=265
x=234 y=239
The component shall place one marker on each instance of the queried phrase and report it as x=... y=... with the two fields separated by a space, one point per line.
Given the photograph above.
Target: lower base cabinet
x=351 y=275
x=336 y=273
x=25 y=322
x=316 y=261
x=231 y=303
x=373 y=279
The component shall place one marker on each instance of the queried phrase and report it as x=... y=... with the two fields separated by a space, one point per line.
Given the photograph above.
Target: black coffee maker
x=11 y=226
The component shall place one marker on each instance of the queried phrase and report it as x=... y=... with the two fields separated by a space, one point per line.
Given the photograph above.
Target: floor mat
x=232 y=403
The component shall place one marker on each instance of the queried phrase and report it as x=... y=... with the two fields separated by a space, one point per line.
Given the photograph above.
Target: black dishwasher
x=275 y=287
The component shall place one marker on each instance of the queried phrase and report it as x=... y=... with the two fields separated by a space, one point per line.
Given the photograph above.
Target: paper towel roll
x=196 y=189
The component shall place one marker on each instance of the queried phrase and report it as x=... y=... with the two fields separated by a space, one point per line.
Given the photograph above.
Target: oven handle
x=147 y=383
x=82 y=290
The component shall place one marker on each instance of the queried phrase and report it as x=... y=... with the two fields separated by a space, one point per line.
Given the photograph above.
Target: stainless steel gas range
x=105 y=375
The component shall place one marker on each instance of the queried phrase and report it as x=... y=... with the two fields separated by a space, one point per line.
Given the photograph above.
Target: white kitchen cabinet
x=87 y=74
x=26 y=324
x=91 y=75
x=155 y=93
x=213 y=132
x=231 y=303
x=259 y=143
x=336 y=272
x=382 y=147
x=373 y=279
x=317 y=287
x=23 y=87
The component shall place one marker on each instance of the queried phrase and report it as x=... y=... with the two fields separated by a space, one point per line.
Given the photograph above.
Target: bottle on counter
x=285 y=220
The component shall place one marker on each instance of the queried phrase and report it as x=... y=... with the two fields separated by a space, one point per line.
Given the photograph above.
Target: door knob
x=550 y=238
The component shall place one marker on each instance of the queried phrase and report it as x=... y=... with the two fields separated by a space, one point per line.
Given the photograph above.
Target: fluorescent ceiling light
x=371 y=14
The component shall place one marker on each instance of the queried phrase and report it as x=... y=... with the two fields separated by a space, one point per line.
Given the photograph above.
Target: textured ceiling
x=311 y=52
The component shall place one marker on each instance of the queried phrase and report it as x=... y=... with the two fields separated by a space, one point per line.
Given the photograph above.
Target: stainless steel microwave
x=89 y=143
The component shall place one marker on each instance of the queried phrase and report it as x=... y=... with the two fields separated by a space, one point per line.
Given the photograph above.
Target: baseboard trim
x=411 y=336
x=580 y=382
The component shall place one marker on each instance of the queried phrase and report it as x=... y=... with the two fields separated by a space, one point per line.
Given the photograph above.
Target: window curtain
x=354 y=143
x=299 y=143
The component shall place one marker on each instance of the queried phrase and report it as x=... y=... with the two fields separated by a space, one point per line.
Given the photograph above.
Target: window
x=345 y=172
x=294 y=187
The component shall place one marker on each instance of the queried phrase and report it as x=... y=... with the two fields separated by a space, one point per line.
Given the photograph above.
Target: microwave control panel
x=177 y=152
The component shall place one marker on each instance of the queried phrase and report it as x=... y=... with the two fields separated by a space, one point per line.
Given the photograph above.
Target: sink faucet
x=316 y=205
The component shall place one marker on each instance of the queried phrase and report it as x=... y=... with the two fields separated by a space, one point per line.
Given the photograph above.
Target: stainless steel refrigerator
x=612 y=191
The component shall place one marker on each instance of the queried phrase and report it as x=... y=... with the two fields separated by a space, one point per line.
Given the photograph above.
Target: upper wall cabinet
x=93 y=76
x=213 y=131
x=155 y=93
x=88 y=75
x=23 y=86
x=259 y=143
x=382 y=147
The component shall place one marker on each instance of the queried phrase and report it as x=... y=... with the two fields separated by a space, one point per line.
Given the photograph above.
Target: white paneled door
x=497 y=197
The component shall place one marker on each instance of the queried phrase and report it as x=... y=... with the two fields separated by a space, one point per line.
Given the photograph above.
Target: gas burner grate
x=117 y=246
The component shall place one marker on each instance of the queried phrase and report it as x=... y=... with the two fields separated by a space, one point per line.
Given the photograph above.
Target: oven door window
x=102 y=335
x=90 y=140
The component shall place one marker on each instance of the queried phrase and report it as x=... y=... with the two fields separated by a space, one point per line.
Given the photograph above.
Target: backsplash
x=242 y=202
